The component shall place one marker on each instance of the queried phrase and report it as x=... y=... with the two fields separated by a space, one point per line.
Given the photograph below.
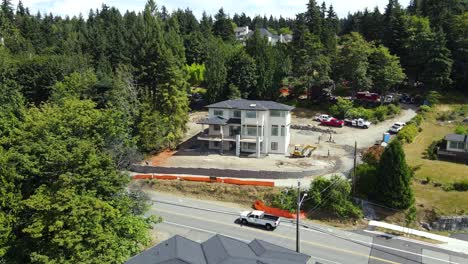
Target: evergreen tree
x=394 y=184
x=216 y=73
x=438 y=68
x=384 y=69
x=7 y=10
x=206 y=24
x=313 y=18
x=261 y=52
x=241 y=72
x=353 y=63
x=223 y=27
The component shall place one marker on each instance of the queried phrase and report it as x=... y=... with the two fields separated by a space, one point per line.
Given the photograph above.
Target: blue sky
x=286 y=8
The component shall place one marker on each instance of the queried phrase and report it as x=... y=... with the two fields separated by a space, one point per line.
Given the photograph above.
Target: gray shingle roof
x=218 y=250
x=175 y=250
x=243 y=104
x=456 y=137
x=216 y=120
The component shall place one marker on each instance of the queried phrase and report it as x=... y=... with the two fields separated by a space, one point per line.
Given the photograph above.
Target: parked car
x=397 y=127
x=322 y=117
x=332 y=122
x=259 y=218
x=357 y=123
x=388 y=99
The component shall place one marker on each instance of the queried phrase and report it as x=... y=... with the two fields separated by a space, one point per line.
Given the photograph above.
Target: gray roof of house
x=456 y=137
x=175 y=250
x=218 y=250
x=217 y=120
x=243 y=104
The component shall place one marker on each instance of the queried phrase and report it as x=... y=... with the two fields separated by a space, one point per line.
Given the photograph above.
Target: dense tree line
x=429 y=36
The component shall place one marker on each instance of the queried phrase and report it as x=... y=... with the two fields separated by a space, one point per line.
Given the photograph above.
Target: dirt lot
x=332 y=157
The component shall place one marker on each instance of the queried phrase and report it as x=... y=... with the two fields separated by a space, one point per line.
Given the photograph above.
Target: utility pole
x=298 y=210
x=354 y=169
x=298 y=233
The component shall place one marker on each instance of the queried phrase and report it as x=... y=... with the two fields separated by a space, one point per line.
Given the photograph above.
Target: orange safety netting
x=259 y=205
x=205 y=179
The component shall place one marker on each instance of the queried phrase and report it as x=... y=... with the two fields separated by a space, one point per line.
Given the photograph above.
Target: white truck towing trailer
x=259 y=218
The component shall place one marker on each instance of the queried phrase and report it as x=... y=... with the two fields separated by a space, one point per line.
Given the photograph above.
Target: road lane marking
x=282 y=236
x=247 y=241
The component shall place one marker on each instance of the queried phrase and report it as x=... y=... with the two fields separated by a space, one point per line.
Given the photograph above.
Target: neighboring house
x=218 y=250
x=456 y=148
x=243 y=33
x=241 y=125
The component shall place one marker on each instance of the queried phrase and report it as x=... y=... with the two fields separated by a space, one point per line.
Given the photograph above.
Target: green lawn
x=452 y=202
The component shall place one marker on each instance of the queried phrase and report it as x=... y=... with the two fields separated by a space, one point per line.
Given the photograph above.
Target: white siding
x=264 y=122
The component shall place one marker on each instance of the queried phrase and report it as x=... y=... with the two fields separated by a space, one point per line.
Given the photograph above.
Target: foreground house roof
x=244 y=104
x=218 y=250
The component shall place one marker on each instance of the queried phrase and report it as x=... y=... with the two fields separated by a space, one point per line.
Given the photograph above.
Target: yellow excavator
x=298 y=153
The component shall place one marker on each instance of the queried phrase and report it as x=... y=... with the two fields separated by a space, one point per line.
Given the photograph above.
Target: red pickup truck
x=332 y=122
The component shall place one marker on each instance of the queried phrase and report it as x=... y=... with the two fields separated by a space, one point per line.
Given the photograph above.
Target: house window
x=218 y=112
x=251 y=114
x=250 y=130
x=274 y=145
x=277 y=113
x=456 y=145
x=237 y=114
x=274 y=130
x=216 y=127
x=249 y=146
x=283 y=131
x=216 y=144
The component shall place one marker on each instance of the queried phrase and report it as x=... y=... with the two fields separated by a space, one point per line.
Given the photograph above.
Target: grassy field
x=429 y=197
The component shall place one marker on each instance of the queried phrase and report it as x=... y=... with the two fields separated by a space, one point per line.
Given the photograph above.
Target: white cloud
x=285 y=8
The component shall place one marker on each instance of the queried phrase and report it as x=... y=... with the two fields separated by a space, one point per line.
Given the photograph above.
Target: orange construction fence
x=204 y=179
x=259 y=205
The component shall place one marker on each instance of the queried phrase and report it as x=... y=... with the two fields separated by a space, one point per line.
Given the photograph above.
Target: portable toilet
x=386 y=137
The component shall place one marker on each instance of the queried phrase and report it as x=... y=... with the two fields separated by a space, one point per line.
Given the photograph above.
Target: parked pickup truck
x=332 y=122
x=357 y=123
x=259 y=218
x=321 y=118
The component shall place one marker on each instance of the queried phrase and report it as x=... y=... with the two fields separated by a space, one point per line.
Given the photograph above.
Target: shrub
x=360 y=112
x=372 y=155
x=393 y=109
x=431 y=151
x=433 y=97
x=380 y=112
x=366 y=180
x=340 y=108
x=418 y=119
x=334 y=196
x=285 y=200
x=461 y=186
x=461 y=130
x=408 y=133
x=425 y=108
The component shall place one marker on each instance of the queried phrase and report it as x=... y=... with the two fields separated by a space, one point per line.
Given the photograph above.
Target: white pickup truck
x=322 y=118
x=357 y=123
x=259 y=218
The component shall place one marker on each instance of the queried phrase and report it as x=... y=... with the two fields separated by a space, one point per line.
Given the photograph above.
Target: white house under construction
x=241 y=125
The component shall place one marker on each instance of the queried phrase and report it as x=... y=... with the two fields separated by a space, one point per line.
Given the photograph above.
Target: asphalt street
x=198 y=220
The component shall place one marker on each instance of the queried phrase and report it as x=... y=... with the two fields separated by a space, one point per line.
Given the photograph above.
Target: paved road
x=199 y=220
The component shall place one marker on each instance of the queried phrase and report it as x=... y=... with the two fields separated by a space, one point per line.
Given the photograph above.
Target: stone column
x=238 y=145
